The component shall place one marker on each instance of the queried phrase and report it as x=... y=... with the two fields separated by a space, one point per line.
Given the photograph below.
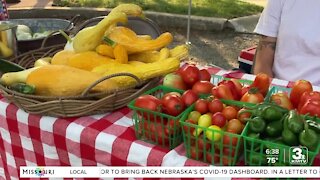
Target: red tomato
x=211 y=160
x=252 y=96
x=222 y=92
x=232 y=88
x=174 y=80
x=230 y=140
x=312 y=107
x=298 y=88
x=189 y=129
x=160 y=137
x=150 y=127
x=205 y=75
x=314 y=95
x=202 y=87
x=238 y=85
x=148 y=102
x=236 y=107
x=234 y=125
x=168 y=95
x=197 y=155
x=230 y=112
x=282 y=99
x=190 y=74
x=172 y=127
x=189 y=97
x=242 y=116
x=262 y=81
x=229 y=151
x=227 y=161
x=202 y=143
x=215 y=105
x=218 y=119
x=201 y=106
x=155 y=131
x=173 y=105
x=244 y=90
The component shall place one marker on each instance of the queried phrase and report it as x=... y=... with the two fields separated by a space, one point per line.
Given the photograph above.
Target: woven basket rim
x=78 y=97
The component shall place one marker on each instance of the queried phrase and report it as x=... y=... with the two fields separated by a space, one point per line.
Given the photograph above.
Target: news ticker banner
x=170 y=172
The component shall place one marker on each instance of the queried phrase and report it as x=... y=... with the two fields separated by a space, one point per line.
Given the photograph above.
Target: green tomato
x=194 y=115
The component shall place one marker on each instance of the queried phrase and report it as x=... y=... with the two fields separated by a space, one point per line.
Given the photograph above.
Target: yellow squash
x=181 y=52
x=60 y=80
x=105 y=50
x=90 y=37
x=120 y=54
x=11 y=78
x=62 y=57
x=144 y=71
x=133 y=44
x=88 y=60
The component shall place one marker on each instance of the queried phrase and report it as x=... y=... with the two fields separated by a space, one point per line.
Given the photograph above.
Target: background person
x=289 y=46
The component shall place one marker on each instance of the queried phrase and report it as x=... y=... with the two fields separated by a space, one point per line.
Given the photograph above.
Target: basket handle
x=84 y=93
x=94 y=20
x=44 y=41
x=74 y=20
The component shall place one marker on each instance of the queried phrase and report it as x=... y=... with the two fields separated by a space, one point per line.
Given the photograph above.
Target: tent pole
x=188 y=26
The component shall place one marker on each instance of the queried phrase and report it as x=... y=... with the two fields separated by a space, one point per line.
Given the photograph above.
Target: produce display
x=157 y=113
x=228 y=118
x=212 y=131
x=200 y=81
x=98 y=51
x=218 y=119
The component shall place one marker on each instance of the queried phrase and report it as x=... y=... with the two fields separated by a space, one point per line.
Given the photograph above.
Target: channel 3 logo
x=298 y=155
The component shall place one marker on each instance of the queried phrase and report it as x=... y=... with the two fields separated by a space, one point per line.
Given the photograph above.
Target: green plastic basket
x=155 y=127
x=259 y=152
x=216 y=153
x=276 y=89
x=215 y=79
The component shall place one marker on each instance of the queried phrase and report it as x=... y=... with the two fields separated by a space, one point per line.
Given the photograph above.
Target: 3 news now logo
x=298 y=155
x=38 y=171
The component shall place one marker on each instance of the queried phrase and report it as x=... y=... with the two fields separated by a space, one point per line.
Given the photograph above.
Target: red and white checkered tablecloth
x=99 y=140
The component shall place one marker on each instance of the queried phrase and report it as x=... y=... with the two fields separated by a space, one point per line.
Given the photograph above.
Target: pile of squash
x=99 y=51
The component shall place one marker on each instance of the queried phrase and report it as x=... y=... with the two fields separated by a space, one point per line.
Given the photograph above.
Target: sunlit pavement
x=257 y=2
x=30 y=3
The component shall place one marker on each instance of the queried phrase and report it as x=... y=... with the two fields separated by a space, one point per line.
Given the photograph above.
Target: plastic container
x=258 y=152
x=226 y=150
x=246 y=59
x=276 y=89
x=157 y=128
x=215 y=79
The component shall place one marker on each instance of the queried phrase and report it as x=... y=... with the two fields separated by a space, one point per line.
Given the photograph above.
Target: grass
x=209 y=8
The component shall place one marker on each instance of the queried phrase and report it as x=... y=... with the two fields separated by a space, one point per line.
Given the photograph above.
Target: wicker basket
x=82 y=105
